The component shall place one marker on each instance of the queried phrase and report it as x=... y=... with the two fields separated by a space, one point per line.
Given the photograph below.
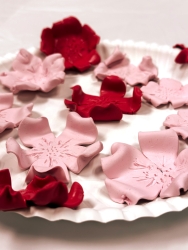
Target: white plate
x=97 y=206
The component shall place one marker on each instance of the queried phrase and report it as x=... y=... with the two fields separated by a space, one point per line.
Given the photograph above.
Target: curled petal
x=148 y=65
x=128 y=192
x=82 y=131
x=16 y=115
x=113 y=86
x=6 y=101
x=160 y=147
x=75 y=196
x=13 y=147
x=182 y=57
x=90 y=36
x=76 y=164
x=59 y=173
x=109 y=112
x=47 y=41
x=40 y=127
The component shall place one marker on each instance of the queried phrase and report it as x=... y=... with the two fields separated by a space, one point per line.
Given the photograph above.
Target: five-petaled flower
x=76 y=43
x=110 y=105
x=31 y=73
x=54 y=156
x=11 y=117
x=45 y=191
x=168 y=90
x=157 y=171
x=182 y=57
x=178 y=123
x=119 y=65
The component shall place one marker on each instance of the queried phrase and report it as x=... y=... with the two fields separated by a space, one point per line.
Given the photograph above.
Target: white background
x=163 y=22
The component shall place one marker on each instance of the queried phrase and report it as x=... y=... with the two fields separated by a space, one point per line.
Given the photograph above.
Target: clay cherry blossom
x=157 y=170
x=11 y=117
x=178 y=123
x=54 y=156
x=76 y=43
x=45 y=191
x=110 y=105
x=182 y=57
x=119 y=65
x=31 y=73
x=168 y=90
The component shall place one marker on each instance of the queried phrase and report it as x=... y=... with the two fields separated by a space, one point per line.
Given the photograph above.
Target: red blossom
x=110 y=105
x=40 y=192
x=182 y=57
x=76 y=43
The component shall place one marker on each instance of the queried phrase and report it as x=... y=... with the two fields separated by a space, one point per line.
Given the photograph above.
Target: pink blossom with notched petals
x=54 y=156
x=119 y=65
x=31 y=73
x=157 y=170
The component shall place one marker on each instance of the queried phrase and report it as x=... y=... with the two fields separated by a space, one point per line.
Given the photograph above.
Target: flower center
x=72 y=47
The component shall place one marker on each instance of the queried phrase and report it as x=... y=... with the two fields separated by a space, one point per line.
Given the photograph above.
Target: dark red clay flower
x=40 y=192
x=76 y=43
x=110 y=105
x=182 y=57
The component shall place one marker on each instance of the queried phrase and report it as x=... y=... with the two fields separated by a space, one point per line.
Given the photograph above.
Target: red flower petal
x=179 y=46
x=46 y=192
x=67 y=26
x=9 y=199
x=47 y=42
x=75 y=196
x=90 y=37
x=109 y=105
x=113 y=86
x=182 y=57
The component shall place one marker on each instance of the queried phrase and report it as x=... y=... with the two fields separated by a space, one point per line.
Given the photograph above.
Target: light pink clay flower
x=156 y=171
x=31 y=73
x=50 y=155
x=119 y=65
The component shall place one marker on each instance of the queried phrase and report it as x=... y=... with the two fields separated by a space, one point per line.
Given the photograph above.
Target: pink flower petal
x=80 y=131
x=59 y=173
x=148 y=65
x=6 y=101
x=159 y=147
x=40 y=127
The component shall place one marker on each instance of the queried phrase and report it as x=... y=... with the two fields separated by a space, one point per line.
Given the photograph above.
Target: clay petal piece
x=178 y=123
x=31 y=73
x=45 y=191
x=168 y=90
x=159 y=171
x=182 y=57
x=110 y=105
x=119 y=65
x=50 y=155
x=76 y=43
x=11 y=117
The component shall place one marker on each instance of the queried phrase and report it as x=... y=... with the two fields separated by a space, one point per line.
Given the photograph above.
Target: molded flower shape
x=182 y=57
x=178 y=123
x=156 y=171
x=111 y=103
x=50 y=155
x=40 y=192
x=119 y=65
x=11 y=117
x=76 y=43
x=31 y=73
x=168 y=90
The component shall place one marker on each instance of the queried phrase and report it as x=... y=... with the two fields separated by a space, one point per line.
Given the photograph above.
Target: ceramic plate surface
x=97 y=205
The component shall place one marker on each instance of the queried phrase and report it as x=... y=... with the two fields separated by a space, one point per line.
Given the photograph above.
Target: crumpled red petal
x=40 y=192
x=110 y=105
